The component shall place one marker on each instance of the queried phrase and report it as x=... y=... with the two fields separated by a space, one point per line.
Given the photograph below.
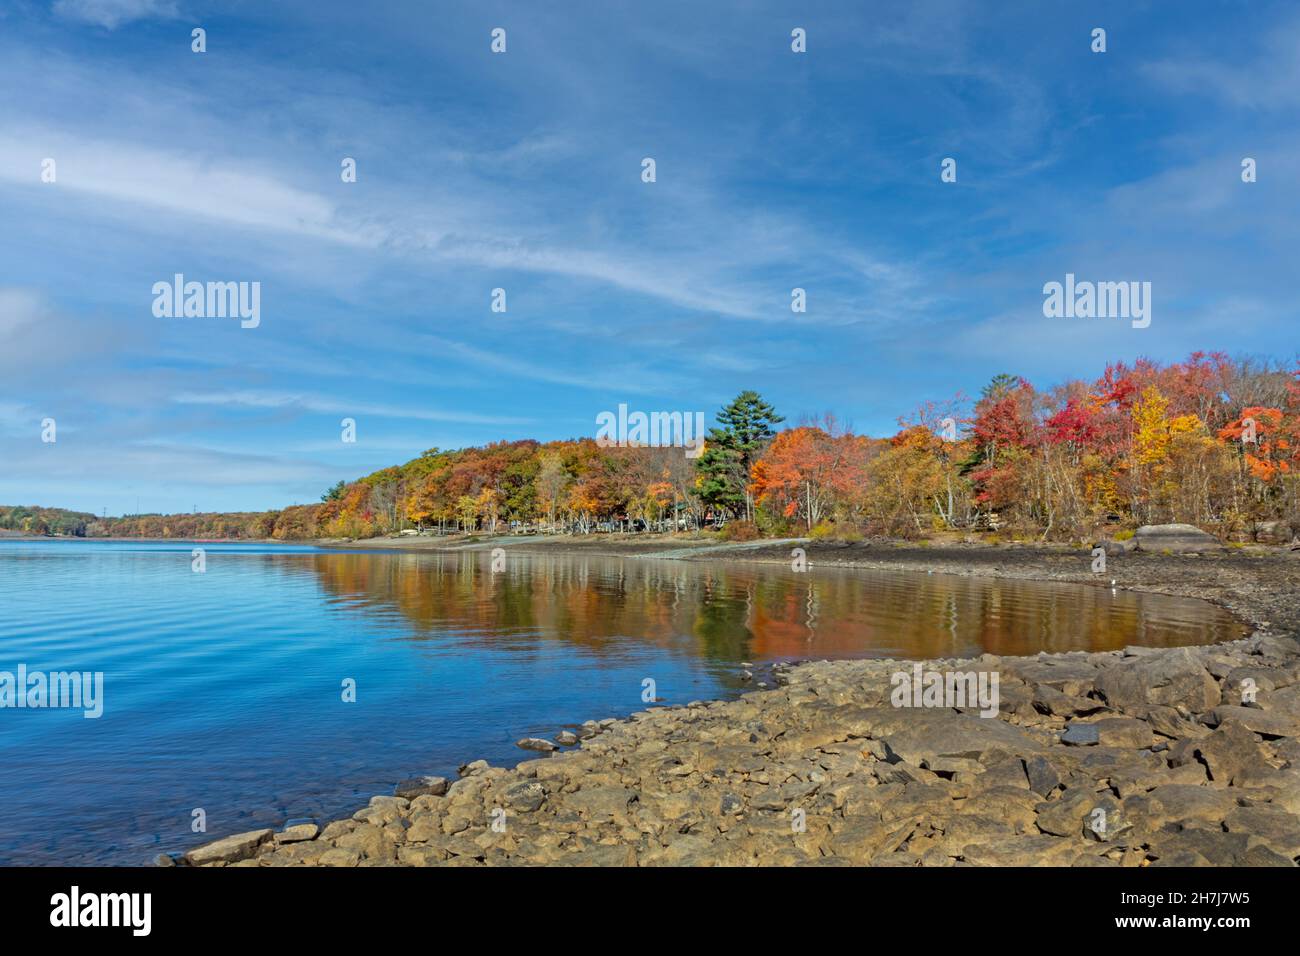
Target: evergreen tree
x=744 y=428
x=335 y=493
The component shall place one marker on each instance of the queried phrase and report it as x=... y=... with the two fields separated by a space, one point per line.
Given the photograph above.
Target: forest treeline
x=1212 y=440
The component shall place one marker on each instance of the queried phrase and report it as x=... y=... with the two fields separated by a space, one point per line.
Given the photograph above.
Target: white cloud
x=111 y=14
x=335 y=406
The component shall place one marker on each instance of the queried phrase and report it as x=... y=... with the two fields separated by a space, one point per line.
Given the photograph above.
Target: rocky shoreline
x=1182 y=757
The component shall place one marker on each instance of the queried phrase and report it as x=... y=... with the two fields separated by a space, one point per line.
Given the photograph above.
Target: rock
x=1180 y=804
x=1228 y=752
x=475 y=768
x=1115 y=548
x=1070 y=676
x=1220 y=849
x=296 y=833
x=1274 y=532
x=420 y=856
x=1173 y=678
x=1175 y=538
x=421 y=786
x=338 y=857
x=1049 y=700
x=1276 y=828
x=535 y=743
x=164 y=859
x=1043 y=777
x=1080 y=735
x=1124 y=732
x=230 y=849
x=1260 y=855
x=566 y=738
x=1069 y=815
x=370 y=842
x=601 y=804
x=525 y=797
x=1039 y=850
x=1168 y=722
x=1264 y=722
x=920 y=735
x=954 y=765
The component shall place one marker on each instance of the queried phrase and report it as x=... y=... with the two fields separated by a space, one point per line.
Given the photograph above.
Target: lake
x=223 y=691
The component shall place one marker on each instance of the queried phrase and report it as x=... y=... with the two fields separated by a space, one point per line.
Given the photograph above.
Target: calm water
x=223 y=690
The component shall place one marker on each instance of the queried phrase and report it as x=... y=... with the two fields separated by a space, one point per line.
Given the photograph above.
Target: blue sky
x=522 y=171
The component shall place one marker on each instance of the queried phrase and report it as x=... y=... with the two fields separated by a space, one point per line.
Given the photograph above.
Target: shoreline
x=1157 y=747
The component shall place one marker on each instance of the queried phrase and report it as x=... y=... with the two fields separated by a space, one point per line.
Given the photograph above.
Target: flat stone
x=420 y=787
x=536 y=743
x=1124 y=732
x=1176 y=538
x=231 y=849
x=1275 y=827
x=1265 y=722
x=1080 y=735
x=1043 y=776
x=297 y=833
x=1175 y=677
x=1040 y=850
x=1219 y=848
x=919 y=735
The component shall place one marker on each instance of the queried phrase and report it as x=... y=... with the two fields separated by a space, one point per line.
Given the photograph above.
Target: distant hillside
x=290 y=523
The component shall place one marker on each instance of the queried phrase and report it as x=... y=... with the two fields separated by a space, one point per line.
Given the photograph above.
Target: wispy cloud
x=335 y=406
x=112 y=14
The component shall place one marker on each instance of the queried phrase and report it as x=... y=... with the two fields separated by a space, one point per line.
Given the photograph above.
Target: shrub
x=740 y=531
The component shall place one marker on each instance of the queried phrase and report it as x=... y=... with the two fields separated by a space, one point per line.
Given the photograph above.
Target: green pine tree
x=744 y=428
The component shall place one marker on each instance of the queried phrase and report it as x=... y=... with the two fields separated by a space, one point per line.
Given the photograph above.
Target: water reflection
x=733 y=612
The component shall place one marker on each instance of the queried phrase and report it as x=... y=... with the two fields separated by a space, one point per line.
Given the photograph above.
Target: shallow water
x=223 y=690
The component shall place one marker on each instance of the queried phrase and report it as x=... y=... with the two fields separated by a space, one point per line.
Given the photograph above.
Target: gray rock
x=535 y=743
x=1274 y=532
x=566 y=738
x=1175 y=538
x=1043 y=777
x=1115 y=548
x=1229 y=752
x=1080 y=735
x=1172 y=678
x=1264 y=722
x=1278 y=829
